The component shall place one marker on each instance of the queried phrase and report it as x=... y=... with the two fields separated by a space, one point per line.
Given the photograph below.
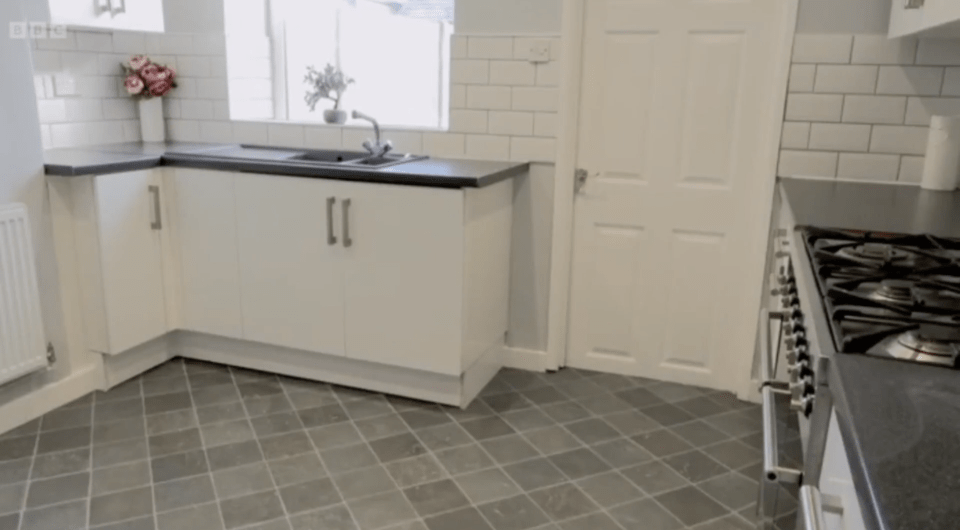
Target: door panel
x=291 y=278
x=674 y=97
x=131 y=258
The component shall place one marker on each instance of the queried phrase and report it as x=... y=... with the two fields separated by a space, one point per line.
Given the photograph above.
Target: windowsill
x=358 y=124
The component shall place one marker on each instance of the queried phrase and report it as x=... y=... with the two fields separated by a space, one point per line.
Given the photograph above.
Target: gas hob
x=889 y=295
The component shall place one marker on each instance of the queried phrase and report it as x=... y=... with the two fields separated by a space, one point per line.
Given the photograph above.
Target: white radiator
x=22 y=343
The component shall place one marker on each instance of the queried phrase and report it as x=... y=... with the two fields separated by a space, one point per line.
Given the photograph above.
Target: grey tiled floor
x=200 y=446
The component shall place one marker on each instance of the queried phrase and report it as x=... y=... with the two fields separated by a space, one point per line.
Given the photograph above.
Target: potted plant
x=149 y=81
x=330 y=84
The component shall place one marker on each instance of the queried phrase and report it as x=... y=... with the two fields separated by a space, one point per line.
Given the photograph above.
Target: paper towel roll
x=941 y=168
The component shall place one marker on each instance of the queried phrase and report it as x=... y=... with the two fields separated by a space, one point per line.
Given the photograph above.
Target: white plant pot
x=338 y=117
x=152 y=128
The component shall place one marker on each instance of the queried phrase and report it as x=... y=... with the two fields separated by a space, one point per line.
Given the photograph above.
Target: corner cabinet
x=131 y=15
x=925 y=18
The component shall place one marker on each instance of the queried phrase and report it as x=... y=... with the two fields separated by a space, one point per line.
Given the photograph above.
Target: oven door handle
x=767 y=353
x=773 y=474
x=811 y=509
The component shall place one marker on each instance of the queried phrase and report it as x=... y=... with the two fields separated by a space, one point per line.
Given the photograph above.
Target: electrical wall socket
x=539 y=51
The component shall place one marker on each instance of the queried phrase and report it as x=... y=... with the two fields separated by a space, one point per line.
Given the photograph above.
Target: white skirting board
x=50 y=397
x=135 y=361
x=523 y=359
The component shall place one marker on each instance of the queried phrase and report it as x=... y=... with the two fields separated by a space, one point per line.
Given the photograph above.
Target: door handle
x=102 y=6
x=118 y=10
x=157 y=223
x=347 y=242
x=331 y=239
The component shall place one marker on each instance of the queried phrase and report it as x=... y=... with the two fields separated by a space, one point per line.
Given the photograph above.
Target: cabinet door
x=291 y=280
x=137 y=15
x=209 y=266
x=129 y=218
x=404 y=275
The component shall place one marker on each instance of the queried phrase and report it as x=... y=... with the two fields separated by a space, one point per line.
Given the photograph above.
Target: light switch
x=539 y=51
x=64 y=85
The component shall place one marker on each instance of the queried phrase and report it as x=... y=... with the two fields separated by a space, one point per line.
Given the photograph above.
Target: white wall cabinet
x=925 y=18
x=132 y=15
x=118 y=228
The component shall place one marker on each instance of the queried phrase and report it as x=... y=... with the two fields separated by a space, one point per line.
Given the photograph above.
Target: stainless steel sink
x=333 y=157
x=325 y=157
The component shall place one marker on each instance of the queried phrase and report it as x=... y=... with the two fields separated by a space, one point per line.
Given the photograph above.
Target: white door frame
x=572 y=40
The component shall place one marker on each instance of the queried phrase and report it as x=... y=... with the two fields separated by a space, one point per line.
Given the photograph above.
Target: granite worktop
x=117 y=158
x=900 y=421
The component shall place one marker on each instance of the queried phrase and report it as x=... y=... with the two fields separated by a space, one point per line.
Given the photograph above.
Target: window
x=396 y=51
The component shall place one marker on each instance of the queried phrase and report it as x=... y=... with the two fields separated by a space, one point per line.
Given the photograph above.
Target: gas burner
x=932 y=344
x=877 y=254
x=896 y=291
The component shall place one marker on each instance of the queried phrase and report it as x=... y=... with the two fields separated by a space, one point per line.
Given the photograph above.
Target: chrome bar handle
x=811 y=508
x=347 y=242
x=773 y=475
x=102 y=6
x=331 y=239
x=157 y=223
x=118 y=10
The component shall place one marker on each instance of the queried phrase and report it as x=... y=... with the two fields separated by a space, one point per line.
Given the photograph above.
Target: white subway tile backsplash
x=248 y=132
x=458 y=47
x=86 y=109
x=171 y=107
x=46 y=140
x=846 y=79
x=119 y=109
x=196 y=109
x=839 y=137
x=490 y=47
x=868 y=167
x=896 y=139
x=68 y=43
x=193 y=66
x=209 y=44
x=548 y=74
x=545 y=124
x=129 y=42
x=80 y=63
x=940 y=52
x=404 y=141
x=488 y=97
x=796 y=135
x=911 y=169
x=874 y=109
x=46 y=61
x=536 y=99
x=323 y=137
x=183 y=130
x=221 y=110
x=109 y=63
x=468 y=121
x=533 y=149
x=486 y=147
x=512 y=73
x=444 y=144
x=802 y=77
x=92 y=41
x=919 y=110
x=951 y=82
x=814 y=107
x=86 y=133
x=284 y=135
x=458 y=96
x=216 y=131
x=511 y=123
x=470 y=71
x=822 y=48
x=211 y=88
x=807 y=164
x=131 y=130
x=878 y=49
x=52 y=110
x=910 y=80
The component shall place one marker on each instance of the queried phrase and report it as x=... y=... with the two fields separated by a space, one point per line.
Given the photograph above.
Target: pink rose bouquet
x=147 y=79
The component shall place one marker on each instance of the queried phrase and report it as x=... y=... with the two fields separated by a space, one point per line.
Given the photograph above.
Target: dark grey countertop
x=900 y=421
x=116 y=158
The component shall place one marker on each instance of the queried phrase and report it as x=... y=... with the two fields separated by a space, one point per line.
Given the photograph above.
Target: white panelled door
x=676 y=96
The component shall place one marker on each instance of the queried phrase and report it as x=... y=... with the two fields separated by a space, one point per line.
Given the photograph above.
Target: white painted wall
x=843 y=16
x=508 y=17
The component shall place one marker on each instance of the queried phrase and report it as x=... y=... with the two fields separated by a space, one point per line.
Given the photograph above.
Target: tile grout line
x=29 y=481
x=93 y=426
x=203 y=445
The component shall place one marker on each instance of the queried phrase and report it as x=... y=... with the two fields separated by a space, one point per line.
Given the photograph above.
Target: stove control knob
x=802 y=388
x=804 y=405
x=799 y=370
x=803 y=353
x=797 y=338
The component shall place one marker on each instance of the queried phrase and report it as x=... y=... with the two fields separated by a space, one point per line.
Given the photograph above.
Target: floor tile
x=654 y=477
x=58 y=489
x=514 y=513
x=116 y=431
x=213 y=395
x=105 y=412
x=308 y=400
x=668 y=415
x=397 y=447
x=180 y=465
x=733 y=454
x=209 y=379
x=381 y=426
x=673 y=392
x=334 y=518
x=580 y=388
x=206 y=516
x=258 y=389
x=66 y=515
x=382 y=510
x=276 y=524
x=544 y=395
x=119 y=452
x=274 y=424
x=509 y=449
x=594 y=521
x=645 y=514
x=444 y=436
x=233 y=455
x=552 y=440
x=695 y=466
x=351 y=457
x=120 y=477
x=691 y=505
x=121 y=505
x=566 y=412
x=486 y=428
x=14 y=471
x=562 y=502
x=476 y=410
x=337 y=435
x=701 y=407
x=661 y=443
x=227 y=432
x=435 y=497
x=64 y=419
x=286 y=445
x=295 y=469
x=534 y=474
x=367 y=408
x=521 y=379
x=307 y=496
x=487 y=485
x=364 y=482
x=609 y=489
x=734 y=424
x=639 y=397
x=174 y=442
x=413 y=471
x=462 y=519
x=631 y=422
x=165 y=386
x=249 y=509
x=62 y=463
x=61 y=440
x=621 y=452
x=267 y=405
x=167 y=402
x=592 y=431
x=11 y=497
x=142 y=523
x=464 y=459
x=184 y=492
x=579 y=463
x=243 y=480
x=422 y=419
x=220 y=413
x=604 y=404
x=699 y=433
x=730 y=522
x=17 y=448
x=528 y=419
x=733 y=490
x=507 y=402
x=320 y=416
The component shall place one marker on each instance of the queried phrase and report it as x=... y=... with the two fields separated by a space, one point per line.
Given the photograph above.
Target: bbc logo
x=37 y=30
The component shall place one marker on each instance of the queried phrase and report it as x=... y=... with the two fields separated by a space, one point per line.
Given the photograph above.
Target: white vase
x=151 y=120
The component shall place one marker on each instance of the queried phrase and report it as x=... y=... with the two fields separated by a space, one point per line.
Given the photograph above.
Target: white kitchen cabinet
x=925 y=18
x=132 y=15
x=841 y=509
x=403 y=275
x=291 y=272
x=118 y=225
x=206 y=214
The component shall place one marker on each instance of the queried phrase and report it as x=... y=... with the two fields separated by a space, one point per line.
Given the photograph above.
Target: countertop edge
x=63 y=170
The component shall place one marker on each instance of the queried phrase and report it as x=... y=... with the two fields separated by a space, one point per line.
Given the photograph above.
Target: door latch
x=579 y=179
